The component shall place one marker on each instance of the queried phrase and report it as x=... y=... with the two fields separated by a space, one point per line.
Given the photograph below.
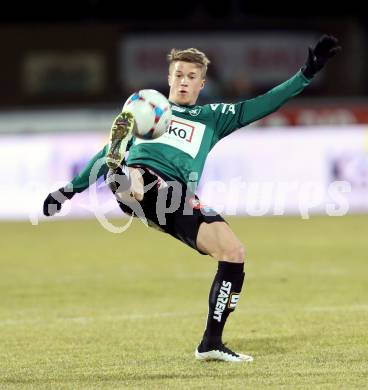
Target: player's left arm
x=248 y=111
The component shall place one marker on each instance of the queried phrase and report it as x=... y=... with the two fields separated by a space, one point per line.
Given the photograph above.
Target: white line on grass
x=83 y=319
x=150 y=316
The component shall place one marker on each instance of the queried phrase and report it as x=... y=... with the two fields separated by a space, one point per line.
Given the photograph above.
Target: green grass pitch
x=82 y=308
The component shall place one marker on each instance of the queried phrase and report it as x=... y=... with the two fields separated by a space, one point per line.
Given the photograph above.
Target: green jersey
x=194 y=131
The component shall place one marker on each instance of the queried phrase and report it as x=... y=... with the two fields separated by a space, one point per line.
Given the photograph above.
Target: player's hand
x=326 y=47
x=53 y=202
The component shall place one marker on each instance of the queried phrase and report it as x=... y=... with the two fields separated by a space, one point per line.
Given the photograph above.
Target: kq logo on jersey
x=183 y=134
x=181 y=130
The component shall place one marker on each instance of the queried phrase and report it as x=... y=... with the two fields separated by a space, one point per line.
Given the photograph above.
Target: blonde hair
x=189 y=55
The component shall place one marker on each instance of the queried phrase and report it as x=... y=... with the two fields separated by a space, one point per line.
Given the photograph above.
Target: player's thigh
x=219 y=241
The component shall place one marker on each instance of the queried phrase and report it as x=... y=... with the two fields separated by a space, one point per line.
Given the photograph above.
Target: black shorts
x=170 y=207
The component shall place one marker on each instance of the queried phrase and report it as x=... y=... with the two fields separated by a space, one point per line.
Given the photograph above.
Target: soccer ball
x=151 y=111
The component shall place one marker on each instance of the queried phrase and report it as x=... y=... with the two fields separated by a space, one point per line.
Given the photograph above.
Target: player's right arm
x=97 y=166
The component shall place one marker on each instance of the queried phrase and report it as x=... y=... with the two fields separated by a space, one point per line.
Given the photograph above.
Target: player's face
x=185 y=80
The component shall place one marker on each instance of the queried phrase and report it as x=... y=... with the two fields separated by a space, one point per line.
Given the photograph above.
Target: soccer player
x=148 y=175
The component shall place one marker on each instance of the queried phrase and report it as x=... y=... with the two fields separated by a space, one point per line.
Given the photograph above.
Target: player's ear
x=203 y=83
x=169 y=79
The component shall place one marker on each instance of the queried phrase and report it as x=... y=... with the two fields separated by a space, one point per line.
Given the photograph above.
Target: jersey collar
x=182 y=105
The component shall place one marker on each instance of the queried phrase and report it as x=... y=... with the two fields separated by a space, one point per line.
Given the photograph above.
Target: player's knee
x=234 y=254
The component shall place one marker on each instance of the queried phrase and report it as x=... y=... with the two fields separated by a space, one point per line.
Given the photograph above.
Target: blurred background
x=66 y=71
